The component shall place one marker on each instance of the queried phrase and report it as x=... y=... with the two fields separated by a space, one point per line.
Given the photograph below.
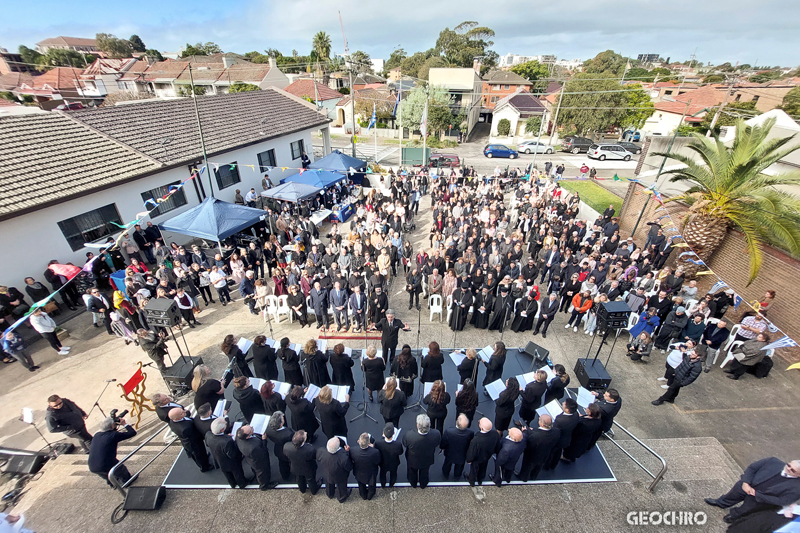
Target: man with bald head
x=511 y=448
x=163 y=404
x=481 y=448
x=336 y=467
x=539 y=444
x=455 y=442
x=183 y=426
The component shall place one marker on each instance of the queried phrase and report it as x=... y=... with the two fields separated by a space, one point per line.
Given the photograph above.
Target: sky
x=719 y=31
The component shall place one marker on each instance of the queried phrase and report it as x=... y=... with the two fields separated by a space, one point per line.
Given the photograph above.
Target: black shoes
x=714 y=502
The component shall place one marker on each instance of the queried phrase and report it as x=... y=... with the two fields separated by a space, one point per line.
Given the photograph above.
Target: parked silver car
x=529 y=147
x=608 y=151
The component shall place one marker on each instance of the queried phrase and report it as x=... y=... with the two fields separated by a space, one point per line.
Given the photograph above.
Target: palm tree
x=321 y=45
x=730 y=189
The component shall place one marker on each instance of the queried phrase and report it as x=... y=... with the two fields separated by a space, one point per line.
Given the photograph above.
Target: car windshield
x=593 y=147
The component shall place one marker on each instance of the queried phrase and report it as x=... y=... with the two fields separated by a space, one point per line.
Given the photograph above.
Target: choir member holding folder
x=291 y=363
x=504 y=405
x=467 y=366
x=264 y=359
x=331 y=413
x=373 y=367
x=302 y=413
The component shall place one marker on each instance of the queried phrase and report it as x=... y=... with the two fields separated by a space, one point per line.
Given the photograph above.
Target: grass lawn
x=593 y=194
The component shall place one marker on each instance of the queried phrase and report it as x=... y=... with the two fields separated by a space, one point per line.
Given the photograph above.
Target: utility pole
x=399 y=110
x=710 y=131
x=349 y=65
x=200 y=130
x=536 y=151
x=555 y=120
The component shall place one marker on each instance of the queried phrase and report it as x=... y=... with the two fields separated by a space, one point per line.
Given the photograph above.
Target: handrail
x=121 y=487
x=656 y=477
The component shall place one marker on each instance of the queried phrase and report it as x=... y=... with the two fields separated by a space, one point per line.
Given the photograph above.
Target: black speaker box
x=592 y=374
x=144 y=498
x=25 y=464
x=180 y=374
x=613 y=315
x=162 y=312
x=532 y=349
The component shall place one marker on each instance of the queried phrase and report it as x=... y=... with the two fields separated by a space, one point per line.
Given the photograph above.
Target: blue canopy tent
x=291 y=191
x=213 y=219
x=321 y=179
x=340 y=162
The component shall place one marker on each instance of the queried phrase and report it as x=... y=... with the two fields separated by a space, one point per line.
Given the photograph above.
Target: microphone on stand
x=110 y=380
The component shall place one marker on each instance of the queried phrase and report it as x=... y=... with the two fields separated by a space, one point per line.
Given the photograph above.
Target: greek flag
x=717 y=286
x=396 y=104
x=371 y=120
x=783 y=342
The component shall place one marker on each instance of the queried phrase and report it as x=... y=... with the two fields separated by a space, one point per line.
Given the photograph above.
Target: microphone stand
x=96 y=404
x=364 y=410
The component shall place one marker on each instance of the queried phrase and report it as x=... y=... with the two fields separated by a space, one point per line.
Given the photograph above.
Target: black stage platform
x=591 y=468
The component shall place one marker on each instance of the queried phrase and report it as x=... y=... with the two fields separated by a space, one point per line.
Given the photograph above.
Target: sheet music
x=585 y=398
x=486 y=353
x=256 y=383
x=343 y=439
x=244 y=344
x=313 y=392
x=675 y=358
x=348 y=351
x=524 y=379
x=271 y=343
x=322 y=345
x=549 y=372
x=379 y=353
x=339 y=392
x=282 y=388
x=219 y=410
x=425 y=351
x=236 y=426
x=553 y=409
x=259 y=423
x=457 y=357
x=396 y=434
x=495 y=388
x=296 y=347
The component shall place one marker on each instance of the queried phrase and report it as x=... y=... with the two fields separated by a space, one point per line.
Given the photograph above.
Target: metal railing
x=121 y=487
x=656 y=477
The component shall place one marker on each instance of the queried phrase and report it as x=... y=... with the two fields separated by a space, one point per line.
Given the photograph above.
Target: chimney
x=476 y=65
x=272 y=62
x=227 y=62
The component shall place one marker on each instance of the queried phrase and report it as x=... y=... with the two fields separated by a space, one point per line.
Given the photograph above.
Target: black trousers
x=738 y=369
x=438 y=423
x=307 y=483
x=52 y=338
x=263 y=476
x=258 y=269
x=358 y=320
x=477 y=472
x=555 y=457
x=236 y=477
x=411 y=296
x=302 y=317
x=224 y=294
x=322 y=318
x=285 y=468
x=388 y=354
x=205 y=292
x=392 y=475
x=545 y=321
x=418 y=475
x=749 y=503
x=459 y=468
x=502 y=473
x=337 y=489
x=367 y=490
x=83 y=437
x=188 y=316
x=530 y=471
x=121 y=473
x=341 y=318
x=671 y=393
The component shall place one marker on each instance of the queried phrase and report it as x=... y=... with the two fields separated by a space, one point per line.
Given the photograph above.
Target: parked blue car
x=499 y=150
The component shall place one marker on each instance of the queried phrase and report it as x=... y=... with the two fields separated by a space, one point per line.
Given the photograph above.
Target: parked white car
x=608 y=151
x=529 y=147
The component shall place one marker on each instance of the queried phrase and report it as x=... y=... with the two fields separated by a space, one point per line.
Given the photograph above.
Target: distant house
x=101 y=77
x=79 y=44
x=326 y=97
x=59 y=85
x=367 y=81
x=499 y=84
x=343 y=115
x=11 y=62
x=668 y=113
x=464 y=85
x=517 y=108
x=262 y=74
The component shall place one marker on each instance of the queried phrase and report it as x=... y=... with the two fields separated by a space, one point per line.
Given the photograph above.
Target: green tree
x=196 y=50
x=414 y=104
x=412 y=64
x=186 y=90
x=137 y=44
x=791 y=102
x=241 y=87
x=395 y=60
x=762 y=77
x=431 y=62
x=63 y=58
x=725 y=67
x=113 y=46
x=593 y=102
x=212 y=48
x=639 y=74
x=605 y=62
x=461 y=45
x=273 y=52
x=504 y=127
x=713 y=78
x=361 y=62
x=729 y=114
x=152 y=52
x=29 y=55
x=531 y=70
x=639 y=107
x=321 y=47
x=383 y=109
x=729 y=188
x=533 y=124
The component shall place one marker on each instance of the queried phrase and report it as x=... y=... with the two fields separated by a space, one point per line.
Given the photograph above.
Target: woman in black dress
x=437 y=401
x=494 y=368
x=405 y=369
x=392 y=402
x=373 y=368
x=467 y=366
x=555 y=389
x=249 y=399
x=504 y=405
x=316 y=364
x=272 y=400
x=467 y=400
x=532 y=397
x=206 y=390
x=235 y=355
x=291 y=363
x=264 y=359
x=583 y=434
x=297 y=301
x=331 y=413
x=529 y=306
x=432 y=364
x=341 y=366
x=302 y=413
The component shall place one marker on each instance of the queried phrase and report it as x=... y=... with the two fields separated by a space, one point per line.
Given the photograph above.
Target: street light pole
x=555 y=120
x=200 y=130
x=352 y=107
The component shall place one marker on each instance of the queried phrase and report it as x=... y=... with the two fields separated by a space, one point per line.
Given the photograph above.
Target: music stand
x=27 y=417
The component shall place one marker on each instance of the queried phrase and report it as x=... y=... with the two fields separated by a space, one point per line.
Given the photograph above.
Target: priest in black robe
x=378 y=304
x=525 y=312
x=462 y=300
x=502 y=311
x=484 y=302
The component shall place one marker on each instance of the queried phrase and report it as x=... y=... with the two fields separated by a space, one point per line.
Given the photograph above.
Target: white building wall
x=661 y=123
x=39 y=239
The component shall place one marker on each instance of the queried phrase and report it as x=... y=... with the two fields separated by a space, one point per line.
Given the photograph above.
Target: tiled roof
x=229 y=121
x=552 y=87
x=700 y=99
x=47 y=158
x=524 y=102
x=108 y=66
x=59 y=78
x=369 y=94
x=506 y=77
x=136 y=71
x=244 y=72
x=9 y=82
x=67 y=41
x=207 y=72
x=7 y=103
x=164 y=69
x=305 y=87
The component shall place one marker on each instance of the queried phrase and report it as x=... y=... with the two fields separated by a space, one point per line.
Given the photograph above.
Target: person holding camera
x=103 y=450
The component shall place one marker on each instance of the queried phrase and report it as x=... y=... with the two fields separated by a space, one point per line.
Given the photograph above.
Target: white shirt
x=217 y=279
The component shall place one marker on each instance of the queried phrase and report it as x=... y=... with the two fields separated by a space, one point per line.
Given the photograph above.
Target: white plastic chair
x=424 y=287
x=632 y=321
x=435 y=303
x=271 y=308
x=283 y=307
x=449 y=307
x=734 y=330
x=729 y=354
x=309 y=307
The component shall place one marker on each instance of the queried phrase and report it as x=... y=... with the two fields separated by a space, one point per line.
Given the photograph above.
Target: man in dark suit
x=336 y=467
x=366 y=459
x=661 y=303
x=768 y=484
x=455 y=443
x=546 y=314
x=319 y=301
x=254 y=450
x=280 y=435
x=302 y=457
x=100 y=304
x=551 y=258
x=511 y=448
x=481 y=448
x=421 y=451
x=340 y=301
x=389 y=328
x=391 y=449
x=358 y=306
x=610 y=404
x=103 y=450
x=226 y=454
x=191 y=439
x=565 y=423
x=204 y=418
x=539 y=444
x=713 y=337
x=164 y=404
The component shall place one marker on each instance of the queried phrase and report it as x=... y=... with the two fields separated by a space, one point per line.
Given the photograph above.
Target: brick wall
x=730 y=262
